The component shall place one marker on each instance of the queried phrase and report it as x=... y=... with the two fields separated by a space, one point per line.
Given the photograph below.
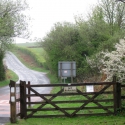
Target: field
x=33 y=46
x=37 y=51
x=27 y=44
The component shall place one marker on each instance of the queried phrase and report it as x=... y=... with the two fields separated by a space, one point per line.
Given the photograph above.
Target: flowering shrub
x=111 y=63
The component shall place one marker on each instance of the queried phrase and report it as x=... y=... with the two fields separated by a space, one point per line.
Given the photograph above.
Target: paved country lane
x=25 y=74
x=4 y=103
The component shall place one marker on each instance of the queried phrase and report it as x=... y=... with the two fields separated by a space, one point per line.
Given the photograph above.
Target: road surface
x=25 y=74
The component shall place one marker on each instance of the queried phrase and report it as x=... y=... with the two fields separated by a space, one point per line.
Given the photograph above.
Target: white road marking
x=4 y=101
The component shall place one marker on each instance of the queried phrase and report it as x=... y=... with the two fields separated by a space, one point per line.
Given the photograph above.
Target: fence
x=66 y=100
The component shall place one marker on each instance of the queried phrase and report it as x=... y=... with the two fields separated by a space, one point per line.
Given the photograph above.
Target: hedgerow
x=39 y=60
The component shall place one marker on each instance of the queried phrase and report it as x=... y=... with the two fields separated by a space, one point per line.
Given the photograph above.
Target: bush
x=2 y=70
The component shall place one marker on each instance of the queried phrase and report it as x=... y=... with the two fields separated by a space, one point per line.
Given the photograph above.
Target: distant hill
x=28 y=44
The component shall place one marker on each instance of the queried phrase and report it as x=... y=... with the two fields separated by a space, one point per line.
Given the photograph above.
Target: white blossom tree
x=111 y=63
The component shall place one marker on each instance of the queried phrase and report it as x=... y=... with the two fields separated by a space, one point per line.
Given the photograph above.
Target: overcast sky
x=45 y=13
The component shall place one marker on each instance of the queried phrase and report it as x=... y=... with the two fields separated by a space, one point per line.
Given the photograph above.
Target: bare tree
x=114 y=14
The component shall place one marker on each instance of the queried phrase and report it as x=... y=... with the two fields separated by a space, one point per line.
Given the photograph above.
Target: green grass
x=39 y=54
x=39 y=50
x=93 y=120
x=10 y=75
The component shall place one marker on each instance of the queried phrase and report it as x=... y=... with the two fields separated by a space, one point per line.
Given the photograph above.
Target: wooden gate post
x=117 y=95
x=29 y=99
x=118 y=87
x=12 y=101
x=22 y=99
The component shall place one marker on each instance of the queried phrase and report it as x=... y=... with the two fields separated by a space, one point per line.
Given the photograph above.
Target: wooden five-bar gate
x=66 y=100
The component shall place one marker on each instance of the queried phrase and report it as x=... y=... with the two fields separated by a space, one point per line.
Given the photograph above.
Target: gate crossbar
x=96 y=102
x=91 y=99
x=49 y=101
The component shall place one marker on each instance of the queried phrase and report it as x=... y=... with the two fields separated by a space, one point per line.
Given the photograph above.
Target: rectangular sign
x=89 y=88
x=67 y=69
x=70 y=89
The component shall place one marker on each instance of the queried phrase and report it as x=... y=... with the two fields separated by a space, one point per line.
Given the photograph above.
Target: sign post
x=12 y=101
x=67 y=69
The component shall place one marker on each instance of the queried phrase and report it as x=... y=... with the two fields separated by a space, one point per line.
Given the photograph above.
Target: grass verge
x=10 y=75
x=93 y=120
